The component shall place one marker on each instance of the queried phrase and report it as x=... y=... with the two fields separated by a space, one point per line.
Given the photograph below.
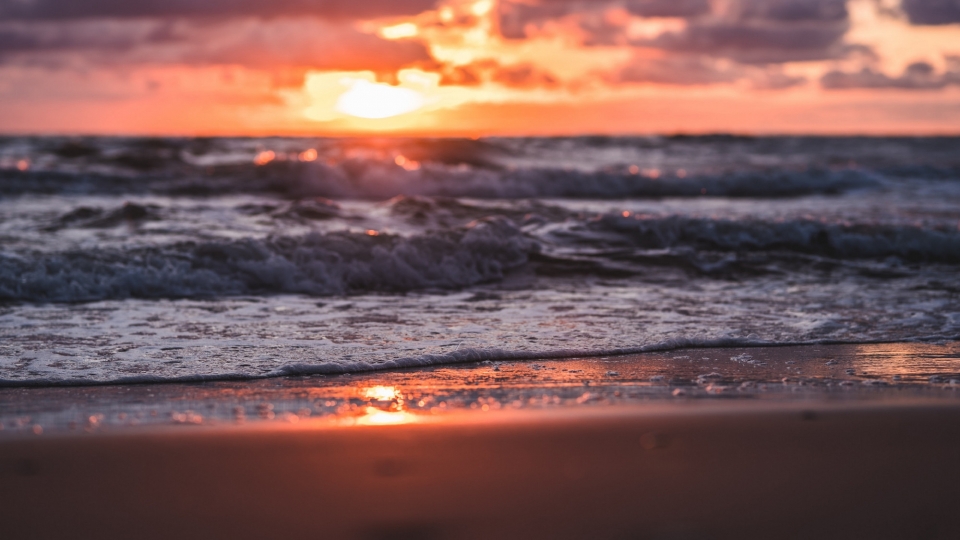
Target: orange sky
x=479 y=67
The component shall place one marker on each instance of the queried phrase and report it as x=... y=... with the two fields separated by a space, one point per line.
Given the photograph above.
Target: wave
x=316 y=264
x=842 y=241
x=575 y=167
x=335 y=263
x=377 y=180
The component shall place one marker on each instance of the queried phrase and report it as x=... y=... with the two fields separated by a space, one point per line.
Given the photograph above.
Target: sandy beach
x=703 y=471
x=737 y=454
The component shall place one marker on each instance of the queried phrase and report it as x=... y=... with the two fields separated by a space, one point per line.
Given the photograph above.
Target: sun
x=358 y=98
x=365 y=99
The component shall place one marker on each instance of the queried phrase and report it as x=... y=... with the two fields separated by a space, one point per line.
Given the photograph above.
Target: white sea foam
x=250 y=337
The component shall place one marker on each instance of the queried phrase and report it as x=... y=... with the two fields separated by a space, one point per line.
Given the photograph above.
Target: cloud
x=332 y=9
x=766 y=31
x=516 y=16
x=747 y=31
x=521 y=75
x=18 y=38
x=791 y=10
x=684 y=70
x=933 y=12
x=668 y=8
x=916 y=76
x=274 y=44
x=759 y=43
x=678 y=70
x=299 y=42
x=706 y=42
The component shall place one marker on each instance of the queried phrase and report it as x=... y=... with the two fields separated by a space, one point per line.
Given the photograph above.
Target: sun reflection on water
x=382 y=393
x=907 y=361
x=386 y=407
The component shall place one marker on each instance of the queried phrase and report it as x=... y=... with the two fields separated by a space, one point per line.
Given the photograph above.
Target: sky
x=479 y=67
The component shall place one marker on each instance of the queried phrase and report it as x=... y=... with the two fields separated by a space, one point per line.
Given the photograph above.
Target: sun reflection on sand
x=377 y=417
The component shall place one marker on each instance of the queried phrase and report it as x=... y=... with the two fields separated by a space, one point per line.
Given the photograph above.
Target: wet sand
x=721 y=446
x=886 y=372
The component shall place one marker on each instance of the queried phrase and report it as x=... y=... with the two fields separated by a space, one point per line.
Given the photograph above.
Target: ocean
x=186 y=259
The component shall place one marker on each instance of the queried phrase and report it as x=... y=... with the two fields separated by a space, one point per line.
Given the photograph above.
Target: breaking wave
x=377 y=180
x=316 y=264
x=337 y=263
x=834 y=240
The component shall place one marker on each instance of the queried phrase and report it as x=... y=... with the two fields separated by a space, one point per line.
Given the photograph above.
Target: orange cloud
x=522 y=75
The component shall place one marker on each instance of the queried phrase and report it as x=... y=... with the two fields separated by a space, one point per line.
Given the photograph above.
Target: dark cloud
x=917 y=76
x=22 y=39
x=523 y=75
x=791 y=10
x=668 y=8
x=766 y=31
x=932 y=11
x=602 y=31
x=275 y=44
x=79 y=9
x=679 y=70
x=515 y=16
x=747 y=31
x=761 y=43
x=683 y=70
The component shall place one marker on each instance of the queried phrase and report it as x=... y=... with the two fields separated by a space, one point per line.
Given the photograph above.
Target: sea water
x=134 y=259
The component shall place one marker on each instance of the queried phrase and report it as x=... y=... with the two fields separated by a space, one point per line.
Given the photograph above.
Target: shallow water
x=827 y=375
x=131 y=260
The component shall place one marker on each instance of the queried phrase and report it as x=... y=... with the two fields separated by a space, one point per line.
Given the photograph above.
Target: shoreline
x=764 y=375
x=460 y=357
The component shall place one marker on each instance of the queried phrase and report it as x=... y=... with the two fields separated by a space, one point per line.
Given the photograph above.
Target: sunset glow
x=399 y=31
x=462 y=67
